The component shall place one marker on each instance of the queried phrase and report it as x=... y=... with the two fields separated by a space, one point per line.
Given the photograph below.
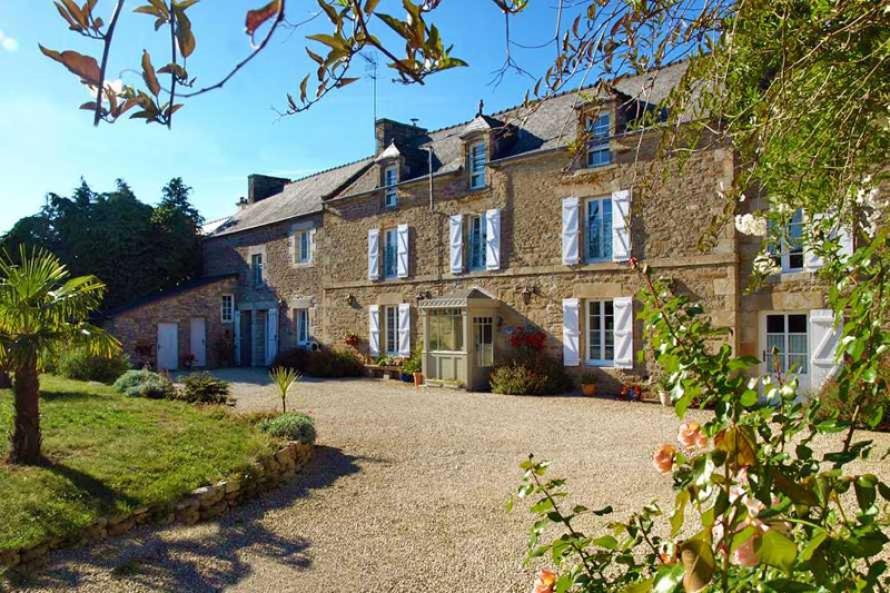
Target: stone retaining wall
x=205 y=503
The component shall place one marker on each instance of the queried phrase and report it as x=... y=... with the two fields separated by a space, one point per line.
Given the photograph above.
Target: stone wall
x=202 y=504
x=289 y=285
x=670 y=210
x=137 y=327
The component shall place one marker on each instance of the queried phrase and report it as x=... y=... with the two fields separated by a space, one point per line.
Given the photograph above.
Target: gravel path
x=405 y=493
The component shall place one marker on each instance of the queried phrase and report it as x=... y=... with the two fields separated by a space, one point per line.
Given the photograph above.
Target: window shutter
x=624 y=332
x=237 y=335
x=312 y=315
x=405 y=330
x=811 y=261
x=271 y=336
x=374 y=330
x=312 y=246
x=493 y=239
x=373 y=254
x=403 y=249
x=570 y=226
x=824 y=338
x=456 y=232
x=621 y=225
x=845 y=237
x=570 y=333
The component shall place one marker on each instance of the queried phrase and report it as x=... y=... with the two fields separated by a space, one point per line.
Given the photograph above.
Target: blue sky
x=221 y=137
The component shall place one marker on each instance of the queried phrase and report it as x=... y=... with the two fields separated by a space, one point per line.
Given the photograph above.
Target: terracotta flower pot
x=664 y=397
x=588 y=389
x=418 y=379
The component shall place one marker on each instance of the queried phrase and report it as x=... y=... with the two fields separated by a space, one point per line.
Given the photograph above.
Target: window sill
x=582 y=171
x=600 y=363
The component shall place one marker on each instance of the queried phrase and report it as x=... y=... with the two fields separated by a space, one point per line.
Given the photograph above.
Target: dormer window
x=390 y=180
x=789 y=253
x=598 y=129
x=478 y=158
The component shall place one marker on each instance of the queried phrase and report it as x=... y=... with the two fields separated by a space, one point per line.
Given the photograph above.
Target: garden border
x=207 y=502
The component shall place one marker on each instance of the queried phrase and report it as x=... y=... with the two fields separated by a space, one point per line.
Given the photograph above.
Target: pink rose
x=663 y=458
x=545 y=582
x=691 y=435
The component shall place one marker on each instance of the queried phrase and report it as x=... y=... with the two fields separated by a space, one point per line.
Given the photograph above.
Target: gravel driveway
x=405 y=493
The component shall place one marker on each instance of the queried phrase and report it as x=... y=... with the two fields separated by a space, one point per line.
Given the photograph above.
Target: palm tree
x=284 y=378
x=41 y=311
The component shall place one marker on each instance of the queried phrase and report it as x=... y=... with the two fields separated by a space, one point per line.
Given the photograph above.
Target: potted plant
x=413 y=367
x=588 y=384
x=353 y=341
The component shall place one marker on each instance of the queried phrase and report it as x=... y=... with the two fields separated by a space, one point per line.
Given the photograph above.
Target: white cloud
x=8 y=43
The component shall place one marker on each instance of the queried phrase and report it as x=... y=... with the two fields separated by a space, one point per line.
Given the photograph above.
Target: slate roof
x=549 y=125
x=458 y=299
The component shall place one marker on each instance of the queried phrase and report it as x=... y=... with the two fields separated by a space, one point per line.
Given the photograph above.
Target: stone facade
x=136 y=326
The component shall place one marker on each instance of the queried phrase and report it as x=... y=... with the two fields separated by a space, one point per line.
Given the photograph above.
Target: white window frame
x=783 y=257
x=476 y=239
x=477 y=170
x=786 y=342
x=227 y=313
x=256 y=270
x=390 y=330
x=394 y=273
x=606 y=234
x=598 y=143
x=301 y=323
x=601 y=347
x=390 y=195
x=301 y=257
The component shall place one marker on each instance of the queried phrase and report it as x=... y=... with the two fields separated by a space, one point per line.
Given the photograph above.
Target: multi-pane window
x=484 y=340
x=786 y=343
x=476 y=244
x=227 y=308
x=390 y=180
x=391 y=330
x=446 y=330
x=303 y=247
x=788 y=252
x=301 y=320
x=390 y=253
x=598 y=130
x=256 y=268
x=600 y=332
x=477 y=161
x=598 y=230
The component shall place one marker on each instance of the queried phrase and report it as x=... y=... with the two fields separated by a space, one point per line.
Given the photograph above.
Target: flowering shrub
x=527 y=340
x=754 y=509
x=353 y=341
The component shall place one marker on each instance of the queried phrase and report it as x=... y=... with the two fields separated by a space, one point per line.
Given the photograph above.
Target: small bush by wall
x=203 y=388
x=144 y=383
x=831 y=402
x=323 y=362
x=79 y=364
x=291 y=426
x=532 y=375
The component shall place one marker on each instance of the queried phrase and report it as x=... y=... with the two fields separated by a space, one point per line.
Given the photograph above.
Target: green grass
x=111 y=454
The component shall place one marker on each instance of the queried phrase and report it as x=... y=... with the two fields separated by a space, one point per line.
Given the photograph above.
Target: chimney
x=260 y=187
x=387 y=131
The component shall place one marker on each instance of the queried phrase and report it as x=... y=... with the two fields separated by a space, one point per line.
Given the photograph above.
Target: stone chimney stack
x=387 y=131
x=260 y=187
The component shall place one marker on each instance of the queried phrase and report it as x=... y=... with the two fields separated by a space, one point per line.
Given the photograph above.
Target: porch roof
x=458 y=299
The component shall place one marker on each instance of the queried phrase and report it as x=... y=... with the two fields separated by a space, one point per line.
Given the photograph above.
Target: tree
x=42 y=310
x=133 y=248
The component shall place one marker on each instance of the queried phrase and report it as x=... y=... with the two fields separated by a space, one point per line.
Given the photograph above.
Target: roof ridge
x=560 y=94
x=329 y=169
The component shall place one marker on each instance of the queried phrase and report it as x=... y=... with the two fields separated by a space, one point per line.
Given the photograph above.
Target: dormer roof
x=392 y=152
x=481 y=123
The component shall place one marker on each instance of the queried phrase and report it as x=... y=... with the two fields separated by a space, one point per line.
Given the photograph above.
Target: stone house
x=449 y=240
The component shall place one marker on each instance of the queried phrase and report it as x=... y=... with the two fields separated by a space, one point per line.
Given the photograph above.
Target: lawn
x=110 y=454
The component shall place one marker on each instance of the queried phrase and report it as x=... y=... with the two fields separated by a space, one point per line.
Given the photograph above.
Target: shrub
x=831 y=403
x=587 y=378
x=204 y=388
x=81 y=365
x=291 y=426
x=323 y=362
x=542 y=375
x=144 y=383
x=413 y=364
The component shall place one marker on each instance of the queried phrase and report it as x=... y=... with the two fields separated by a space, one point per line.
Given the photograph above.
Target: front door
x=785 y=346
x=168 y=346
x=199 y=341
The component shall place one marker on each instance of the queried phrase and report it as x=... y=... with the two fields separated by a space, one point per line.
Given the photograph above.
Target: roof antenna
x=481 y=107
x=414 y=121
